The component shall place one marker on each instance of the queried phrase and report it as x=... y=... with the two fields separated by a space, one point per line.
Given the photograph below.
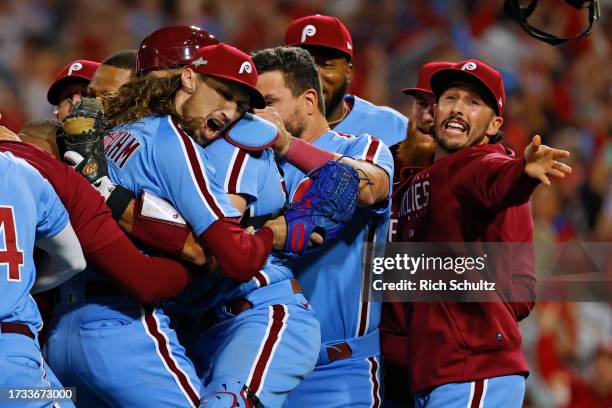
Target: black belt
x=95 y=289
x=17 y=328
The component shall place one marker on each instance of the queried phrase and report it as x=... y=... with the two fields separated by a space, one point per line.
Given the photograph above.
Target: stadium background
x=563 y=93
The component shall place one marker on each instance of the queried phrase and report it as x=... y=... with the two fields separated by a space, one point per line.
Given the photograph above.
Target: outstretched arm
x=495 y=181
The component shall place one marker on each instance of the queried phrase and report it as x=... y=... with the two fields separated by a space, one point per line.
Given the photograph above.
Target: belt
x=95 y=289
x=17 y=328
x=358 y=347
x=235 y=306
x=338 y=351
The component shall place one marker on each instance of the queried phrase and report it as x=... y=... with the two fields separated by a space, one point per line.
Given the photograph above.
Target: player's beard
x=336 y=98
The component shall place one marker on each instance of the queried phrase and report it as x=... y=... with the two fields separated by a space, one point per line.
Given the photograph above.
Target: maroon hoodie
x=478 y=194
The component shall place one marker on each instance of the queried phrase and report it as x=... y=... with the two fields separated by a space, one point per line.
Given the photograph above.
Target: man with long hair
x=272 y=298
x=149 y=150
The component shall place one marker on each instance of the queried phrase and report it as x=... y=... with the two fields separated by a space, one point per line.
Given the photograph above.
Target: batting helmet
x=171 y=46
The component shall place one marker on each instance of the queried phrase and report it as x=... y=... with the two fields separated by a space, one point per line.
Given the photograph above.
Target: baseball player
x=347 y=371
x=410 y=156
x=152 y=152
x=42 y=133
x=30 y=211
x=331 y=45
x=114 y=71
x=69 y=84
x=476 y=191
x=147 y=279
x=268 y=311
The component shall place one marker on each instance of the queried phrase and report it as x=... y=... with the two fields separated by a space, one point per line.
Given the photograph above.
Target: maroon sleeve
x=166 y=237
x=147 y=279
x=523 y=263
x=494 y=181
x=240 y=255
x=90 y=217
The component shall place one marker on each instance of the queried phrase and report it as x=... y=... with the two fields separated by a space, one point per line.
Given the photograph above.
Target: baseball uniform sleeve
x=241 y=174
x=492 y=180
x=370 y=149
x=189 y=181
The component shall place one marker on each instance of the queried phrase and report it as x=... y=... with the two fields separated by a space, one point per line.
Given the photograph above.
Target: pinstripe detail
x=277 y=323
x=374 y=366
x=196 y=169
x=162 y=347
x=363 y=318
x=235 y=171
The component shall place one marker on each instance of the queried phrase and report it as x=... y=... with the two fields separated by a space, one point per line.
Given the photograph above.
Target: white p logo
x=469 y=66
x=246 y=67
x=77 y=66
x=308 y=31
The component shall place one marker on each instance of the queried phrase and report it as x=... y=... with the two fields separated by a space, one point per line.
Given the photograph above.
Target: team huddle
x=182 y=221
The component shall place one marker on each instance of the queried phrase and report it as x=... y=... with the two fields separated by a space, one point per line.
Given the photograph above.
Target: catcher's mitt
x=83 y=133
x=327 y=206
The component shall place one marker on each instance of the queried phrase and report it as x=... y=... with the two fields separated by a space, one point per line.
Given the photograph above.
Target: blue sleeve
x=52 y=217
x=190 y=181
x=241 y=171
x=370 y=149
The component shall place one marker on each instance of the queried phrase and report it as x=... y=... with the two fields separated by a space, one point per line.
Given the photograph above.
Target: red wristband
x=306 y=156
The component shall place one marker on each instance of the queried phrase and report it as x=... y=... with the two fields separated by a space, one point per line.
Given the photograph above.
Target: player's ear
x=349 y=72
x=189 y=80
x=494 y=125
x=311 y=100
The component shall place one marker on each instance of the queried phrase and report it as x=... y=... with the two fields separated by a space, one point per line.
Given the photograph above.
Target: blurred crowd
x=562 y=93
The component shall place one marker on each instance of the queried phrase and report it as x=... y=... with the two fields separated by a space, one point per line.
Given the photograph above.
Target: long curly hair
x=141 y=96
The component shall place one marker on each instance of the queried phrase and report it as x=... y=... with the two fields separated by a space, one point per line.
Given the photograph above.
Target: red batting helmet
x=171 y=46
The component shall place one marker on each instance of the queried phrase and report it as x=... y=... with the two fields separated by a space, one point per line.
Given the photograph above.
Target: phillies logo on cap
x=77 y=66
x=500 y=102
x=469 y=66
x=199 y=61
x=246 y=67
x=308 y=31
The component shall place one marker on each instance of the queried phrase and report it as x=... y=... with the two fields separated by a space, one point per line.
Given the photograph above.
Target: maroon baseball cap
x=76 y=71
x=474 y=71
x=226 y=62
x=322 y=31
x=425 y=73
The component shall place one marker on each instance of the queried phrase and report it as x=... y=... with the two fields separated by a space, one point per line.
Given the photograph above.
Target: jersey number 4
x=10 y=255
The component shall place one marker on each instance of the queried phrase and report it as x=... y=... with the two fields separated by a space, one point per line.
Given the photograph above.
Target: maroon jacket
x=479 y=194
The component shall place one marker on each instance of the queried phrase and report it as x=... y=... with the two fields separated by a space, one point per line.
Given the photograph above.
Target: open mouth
x=214 y=125
x=425 y=131
x=456 y=125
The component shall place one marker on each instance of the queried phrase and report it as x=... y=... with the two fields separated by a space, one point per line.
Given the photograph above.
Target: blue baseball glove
x=327 y=206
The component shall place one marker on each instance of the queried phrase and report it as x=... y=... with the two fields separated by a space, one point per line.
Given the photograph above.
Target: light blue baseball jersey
x=256 y=176
x=29 y=210
x=154 y=154
x=332 y=277
x=383 y=122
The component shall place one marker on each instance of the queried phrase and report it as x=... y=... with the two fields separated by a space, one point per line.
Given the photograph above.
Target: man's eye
x=474 y=102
